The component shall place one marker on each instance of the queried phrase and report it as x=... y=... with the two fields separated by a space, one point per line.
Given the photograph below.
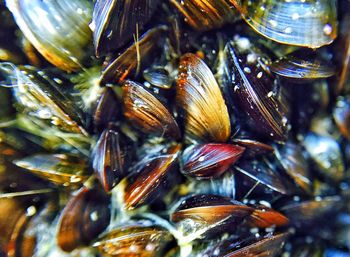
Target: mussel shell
x=264 y=217
x=149 y=175
x=262 y=172
x=136 y=56
x=252 y=89
x=266 y=246
x=204 y=15
x=116 y=21
x=142 y=238
x=293 y=160
x=107 y=110
x=306 y=213
x=109 y=159
x=206 y=216
x=145 y=112
x=41 y=94
x=326 y=153
x=66 y=31
x=307 y=23
x=253 y=147
x=18 y=208
x=209 y=160
x=199 y=98
x=85 y=216
x=158 y=76
x=302 y=66
x=61 y=169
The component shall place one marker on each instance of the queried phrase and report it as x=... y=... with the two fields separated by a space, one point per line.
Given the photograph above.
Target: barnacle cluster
x=174 y=128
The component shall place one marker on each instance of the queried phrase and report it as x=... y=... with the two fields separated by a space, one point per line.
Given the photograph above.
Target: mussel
x=209 y=160
x=85 y=216
x=136 y=238
x=196 y=93
x=115 y=22
x=65 y=33
x=146 y=112
x=307 y=23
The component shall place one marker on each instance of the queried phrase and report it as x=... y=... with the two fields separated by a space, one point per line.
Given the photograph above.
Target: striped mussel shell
x=66 y=32
x=144 y=111
x=114 y=22
x=84 y=217
x=206 y=216
x=149 y=177
x=263 y=107
x=197 y=91
x=135 y=238
x=210 y=160
x=307 y=23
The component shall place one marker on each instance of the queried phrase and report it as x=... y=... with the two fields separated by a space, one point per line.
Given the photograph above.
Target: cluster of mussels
x=164 y=128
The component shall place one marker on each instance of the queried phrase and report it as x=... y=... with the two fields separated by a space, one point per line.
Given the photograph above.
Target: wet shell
x=267 y=246
x=252 y=89
x=145 y=184
x=203 y=216
x=61 y=169
x=307 y=23
x=205 y=15
x=141 y=238
x=262 y=173
x=209 y=160
x=65 y=34
x=107 y=109
x=199 y=98
x=42 y=97
x=145 y=112
x=294 y=162
x=85 y=216
x=109 y=159
x=136 y=56
x=326 y=153
x=264 y=217
x=115 y=22
x=302 y=66
x=304 y=213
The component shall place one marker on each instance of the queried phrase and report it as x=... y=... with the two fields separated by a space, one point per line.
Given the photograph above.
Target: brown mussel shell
x=205 y=15
x=148 y=177
x=196 y=93
x=130 y=61
x=61 y=169
x=305 y=213
x=206 y=161
x=85 y=216
x=309 y=23
x=109 y=159
x=252 y=90
x=294 y=162
x=142 y=238
x=206 y=216
x=145 y=112
x=115 y=22
x=265 y=217
x=107 y=110
x=253 y=147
